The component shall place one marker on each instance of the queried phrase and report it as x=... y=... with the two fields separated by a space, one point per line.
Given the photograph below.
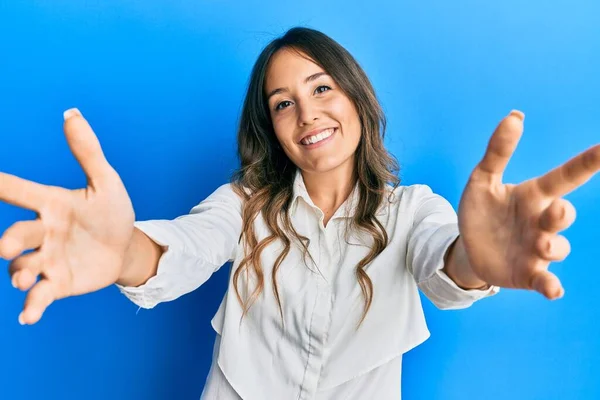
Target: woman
x=328 y=250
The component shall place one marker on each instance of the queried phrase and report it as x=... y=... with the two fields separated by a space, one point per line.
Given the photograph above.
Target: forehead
x=288 y=67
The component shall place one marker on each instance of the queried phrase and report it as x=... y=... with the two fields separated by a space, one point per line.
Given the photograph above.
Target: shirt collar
x=346 y=210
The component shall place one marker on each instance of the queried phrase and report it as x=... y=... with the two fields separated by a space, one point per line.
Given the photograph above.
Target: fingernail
x=559 y=295
x=517 y=114
x=71 y=113
x=21 y=321
x=15 y=279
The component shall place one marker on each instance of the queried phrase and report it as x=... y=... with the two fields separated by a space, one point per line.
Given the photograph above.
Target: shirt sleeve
x=198 y=244
x=434 y=229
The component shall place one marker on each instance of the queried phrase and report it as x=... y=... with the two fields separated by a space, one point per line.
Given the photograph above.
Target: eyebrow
x=307 y=80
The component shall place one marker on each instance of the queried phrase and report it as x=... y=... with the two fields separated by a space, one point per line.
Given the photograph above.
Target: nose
x=307 y=112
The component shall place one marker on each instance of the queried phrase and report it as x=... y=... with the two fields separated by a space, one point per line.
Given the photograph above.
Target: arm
x=169 y=258
x=434 y=249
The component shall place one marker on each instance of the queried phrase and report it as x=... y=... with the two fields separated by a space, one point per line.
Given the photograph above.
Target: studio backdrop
x=162 y=84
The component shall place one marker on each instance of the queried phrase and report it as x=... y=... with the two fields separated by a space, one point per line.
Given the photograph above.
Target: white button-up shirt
x=320 y=354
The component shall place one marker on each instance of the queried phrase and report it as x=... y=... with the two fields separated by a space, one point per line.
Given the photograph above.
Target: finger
x=86 y=148
x=21 y=192
x=21 y=236
x=502 y=144
x=546 y=283
x=25 y=269
x=569 y=176
x=37 y=301
x=558 y=216
x=553 y=247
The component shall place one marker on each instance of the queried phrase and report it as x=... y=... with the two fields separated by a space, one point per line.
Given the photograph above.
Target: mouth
x=315 y=139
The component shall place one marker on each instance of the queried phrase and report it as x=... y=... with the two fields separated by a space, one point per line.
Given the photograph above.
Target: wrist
x=140 y=261
x=458 y=268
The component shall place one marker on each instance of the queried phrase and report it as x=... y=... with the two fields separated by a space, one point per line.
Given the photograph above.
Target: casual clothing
x=320 y=354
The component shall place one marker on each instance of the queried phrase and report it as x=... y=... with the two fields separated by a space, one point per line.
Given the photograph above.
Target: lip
x=314 y=132
x=322 y=142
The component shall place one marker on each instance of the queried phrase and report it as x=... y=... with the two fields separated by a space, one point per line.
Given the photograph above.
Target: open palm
x=510 y=232
x=79 y=237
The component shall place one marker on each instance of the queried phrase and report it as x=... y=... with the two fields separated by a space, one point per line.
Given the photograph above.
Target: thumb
x=547 y=284
x=502 y=145
x=86 y=148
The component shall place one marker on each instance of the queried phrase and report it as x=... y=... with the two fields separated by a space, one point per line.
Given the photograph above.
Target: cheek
x=278 y=131
x=282 y=130
x=348 y=116
x=285 y=136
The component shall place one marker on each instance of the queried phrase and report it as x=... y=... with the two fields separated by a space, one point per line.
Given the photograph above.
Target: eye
x=282 y=105
x=320 y=89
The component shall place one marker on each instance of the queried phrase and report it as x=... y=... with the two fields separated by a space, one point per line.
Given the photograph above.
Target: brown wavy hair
x=266 y=175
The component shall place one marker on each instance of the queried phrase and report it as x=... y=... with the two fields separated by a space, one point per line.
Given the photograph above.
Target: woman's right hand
x=79 y=238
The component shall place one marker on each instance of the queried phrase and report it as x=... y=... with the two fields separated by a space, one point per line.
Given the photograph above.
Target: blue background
x=162 y=83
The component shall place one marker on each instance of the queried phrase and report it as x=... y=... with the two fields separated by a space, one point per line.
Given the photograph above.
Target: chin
x=323 y=165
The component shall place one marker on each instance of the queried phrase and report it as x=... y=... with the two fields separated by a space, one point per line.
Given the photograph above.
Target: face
x=316 y=124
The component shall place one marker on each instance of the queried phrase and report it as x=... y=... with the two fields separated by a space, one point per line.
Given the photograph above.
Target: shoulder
x=407 y=197
x=415 y=201
x=225 y=192
x=224 y=195
x=411 y=191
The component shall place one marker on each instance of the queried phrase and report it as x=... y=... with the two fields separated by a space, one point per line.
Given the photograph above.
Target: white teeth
x=318 y=137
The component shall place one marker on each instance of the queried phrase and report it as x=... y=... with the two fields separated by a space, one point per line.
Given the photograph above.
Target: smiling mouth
x=318 y=138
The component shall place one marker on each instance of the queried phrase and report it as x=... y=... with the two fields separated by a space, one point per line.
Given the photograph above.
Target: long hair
x=266 y=175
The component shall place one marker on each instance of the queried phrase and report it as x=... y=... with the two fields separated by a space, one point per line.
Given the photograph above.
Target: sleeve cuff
x=438 y=287
x=178 y=271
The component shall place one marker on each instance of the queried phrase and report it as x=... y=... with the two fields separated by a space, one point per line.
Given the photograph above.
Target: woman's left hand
x=510 y=232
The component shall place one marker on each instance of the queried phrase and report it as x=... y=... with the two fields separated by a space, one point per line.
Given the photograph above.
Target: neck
x=328 y=190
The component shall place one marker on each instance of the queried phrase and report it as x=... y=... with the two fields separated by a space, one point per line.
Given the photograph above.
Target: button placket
x=319 y=327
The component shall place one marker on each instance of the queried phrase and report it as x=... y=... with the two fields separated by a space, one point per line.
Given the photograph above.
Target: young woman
x=328 y=250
